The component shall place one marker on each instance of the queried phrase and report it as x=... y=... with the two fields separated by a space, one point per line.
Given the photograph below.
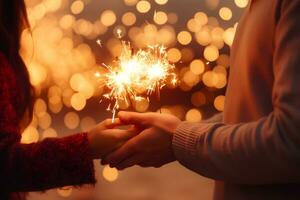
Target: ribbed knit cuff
x=188 y=140
x=184 y=141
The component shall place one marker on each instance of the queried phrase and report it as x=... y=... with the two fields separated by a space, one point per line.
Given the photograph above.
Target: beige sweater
x=254 y=153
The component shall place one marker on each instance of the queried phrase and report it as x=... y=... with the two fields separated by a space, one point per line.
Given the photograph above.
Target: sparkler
x=136 y=75
x=99 y=42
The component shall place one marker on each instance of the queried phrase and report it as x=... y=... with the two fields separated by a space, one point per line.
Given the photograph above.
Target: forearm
x=252 y=153
x=48 y=164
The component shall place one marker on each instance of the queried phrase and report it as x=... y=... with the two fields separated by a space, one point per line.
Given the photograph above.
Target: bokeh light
x=225 y=13
x=241 y=3
x=66 y=48
x=193 y=115
x=77 y=7
x=143 y=6
x=70 y=40
x=108 y=18
x=110 y=174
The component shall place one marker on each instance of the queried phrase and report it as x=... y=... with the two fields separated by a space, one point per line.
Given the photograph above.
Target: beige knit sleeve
x=264 y=151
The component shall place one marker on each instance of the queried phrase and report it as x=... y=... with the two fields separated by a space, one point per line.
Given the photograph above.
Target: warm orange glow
x=68 y=43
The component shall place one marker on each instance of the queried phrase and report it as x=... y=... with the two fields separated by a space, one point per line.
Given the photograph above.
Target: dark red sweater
x=39 y=166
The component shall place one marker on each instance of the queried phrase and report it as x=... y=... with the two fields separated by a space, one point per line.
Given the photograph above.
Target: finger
x=127 y=134
x=120 y=154
x=131 y=161
x=143 y=119
x=120 y=134
x=111 y=123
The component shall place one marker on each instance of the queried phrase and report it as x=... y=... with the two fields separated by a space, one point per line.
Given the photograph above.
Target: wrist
x=92 y=146
x=174 y=127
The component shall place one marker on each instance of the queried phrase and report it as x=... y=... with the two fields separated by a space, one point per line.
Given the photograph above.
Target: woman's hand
x=152 y=147
x=104 y=138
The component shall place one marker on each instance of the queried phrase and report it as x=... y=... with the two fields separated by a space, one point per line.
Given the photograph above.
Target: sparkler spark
x=137 y=75
x=119 y=33
x=97 y=74
x=99 y=42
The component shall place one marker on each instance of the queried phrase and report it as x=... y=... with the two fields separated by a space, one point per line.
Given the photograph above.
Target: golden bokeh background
x=66 y=47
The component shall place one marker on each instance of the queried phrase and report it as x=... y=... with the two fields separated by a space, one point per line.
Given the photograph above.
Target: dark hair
x=13 y=20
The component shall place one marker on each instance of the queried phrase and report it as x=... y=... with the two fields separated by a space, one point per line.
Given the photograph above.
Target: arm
x=52 y=162
x=56 y=162
x=44 y=165
x=48 y=164
x=261 y=152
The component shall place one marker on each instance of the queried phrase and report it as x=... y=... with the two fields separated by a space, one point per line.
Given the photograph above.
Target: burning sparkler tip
x=136 y=75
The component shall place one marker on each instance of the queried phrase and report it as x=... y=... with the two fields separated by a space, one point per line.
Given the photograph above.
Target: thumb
x=109 y=124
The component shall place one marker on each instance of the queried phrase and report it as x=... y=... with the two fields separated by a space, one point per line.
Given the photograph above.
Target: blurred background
x=66 y=49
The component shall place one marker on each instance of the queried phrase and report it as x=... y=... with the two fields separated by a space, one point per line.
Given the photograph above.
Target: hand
x=152 y=147
x=166 y=122
x=104 y=139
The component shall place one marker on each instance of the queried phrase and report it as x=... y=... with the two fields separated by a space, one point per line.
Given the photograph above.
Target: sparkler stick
x=137 y=75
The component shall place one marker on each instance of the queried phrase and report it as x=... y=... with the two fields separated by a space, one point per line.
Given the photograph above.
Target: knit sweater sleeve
x=265 y=151
x=38 y=166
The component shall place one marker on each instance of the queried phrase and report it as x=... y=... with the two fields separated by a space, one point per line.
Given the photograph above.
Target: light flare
x=137 y=75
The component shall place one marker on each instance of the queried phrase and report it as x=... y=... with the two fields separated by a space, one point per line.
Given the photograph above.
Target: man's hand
x=152 y=147
x=165 y=122
x=104 y=138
